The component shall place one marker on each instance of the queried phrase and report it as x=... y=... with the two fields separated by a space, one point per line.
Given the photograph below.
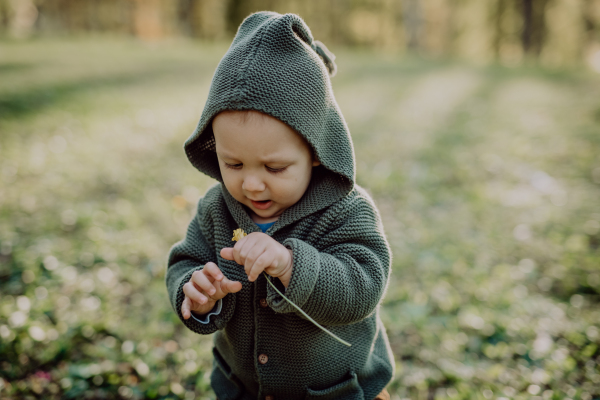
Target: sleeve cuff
x=205 y=319
x=304 y=277
x=218 y=321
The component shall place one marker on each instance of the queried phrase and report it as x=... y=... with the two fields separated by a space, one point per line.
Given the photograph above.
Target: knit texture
x=341 y=259
x=274 y=66
x=341 y=264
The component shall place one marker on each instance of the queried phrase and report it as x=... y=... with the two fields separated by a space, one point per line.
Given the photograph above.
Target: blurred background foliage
x=476 y=127
x=552 y=32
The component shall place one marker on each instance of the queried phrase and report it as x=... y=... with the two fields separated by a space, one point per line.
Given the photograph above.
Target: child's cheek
x=232 y=184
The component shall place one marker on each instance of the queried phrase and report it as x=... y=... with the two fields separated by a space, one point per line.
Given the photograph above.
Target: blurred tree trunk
x=146 y=17
x=22 y=15
x=235 y=15
x=237 y=10
x=527 y=24
x=437 y=23
x=208 y=18
x=4 y=15
x=411 y=13
x=185 y=18
x=154 y=19
x=591 y=21
x=534 y=27
x=498 y=31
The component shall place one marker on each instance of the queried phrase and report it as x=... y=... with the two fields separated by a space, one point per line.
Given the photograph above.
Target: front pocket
x=225 y=384
x=347 y=390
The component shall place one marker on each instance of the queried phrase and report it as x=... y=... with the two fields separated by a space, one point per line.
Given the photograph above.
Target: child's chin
x=266 y=214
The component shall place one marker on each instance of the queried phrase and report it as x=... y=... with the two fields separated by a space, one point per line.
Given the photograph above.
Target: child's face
x=264 y=163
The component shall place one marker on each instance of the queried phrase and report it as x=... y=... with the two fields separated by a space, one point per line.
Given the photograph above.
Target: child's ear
x=316 y=163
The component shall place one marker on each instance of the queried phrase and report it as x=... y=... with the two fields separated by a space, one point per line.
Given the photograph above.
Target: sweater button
x=269 y=397
x=263 y=359
x=263 y=303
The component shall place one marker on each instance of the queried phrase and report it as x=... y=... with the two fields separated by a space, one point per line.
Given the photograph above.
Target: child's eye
x=233 y=166
x=276 y=170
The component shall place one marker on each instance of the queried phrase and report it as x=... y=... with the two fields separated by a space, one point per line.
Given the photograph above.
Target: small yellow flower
x=238 y=234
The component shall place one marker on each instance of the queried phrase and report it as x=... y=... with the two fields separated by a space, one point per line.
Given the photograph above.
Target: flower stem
x=306 y=315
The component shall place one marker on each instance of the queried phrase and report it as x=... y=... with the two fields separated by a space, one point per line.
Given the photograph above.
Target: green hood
x=274 y=66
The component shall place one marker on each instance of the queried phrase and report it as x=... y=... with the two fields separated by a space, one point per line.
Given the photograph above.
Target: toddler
x=273 y=137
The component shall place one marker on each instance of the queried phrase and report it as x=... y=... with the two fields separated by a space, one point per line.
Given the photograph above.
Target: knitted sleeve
x=186 y=257
x=343 y=280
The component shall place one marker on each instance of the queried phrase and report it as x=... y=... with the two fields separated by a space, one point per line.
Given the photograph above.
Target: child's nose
x=252 y=183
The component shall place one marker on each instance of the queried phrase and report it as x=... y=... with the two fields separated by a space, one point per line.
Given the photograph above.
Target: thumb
x=185 y=308
x=228 y=286
x=227 y=253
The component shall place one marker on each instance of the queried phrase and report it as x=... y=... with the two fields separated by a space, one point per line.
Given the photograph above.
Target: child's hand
x=204 y=289
x=259 y=252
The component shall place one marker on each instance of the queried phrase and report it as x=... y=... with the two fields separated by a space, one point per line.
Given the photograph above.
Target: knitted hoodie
x=341 y=259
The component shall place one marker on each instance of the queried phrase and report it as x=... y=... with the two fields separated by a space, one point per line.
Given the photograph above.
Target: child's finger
x=228 y=286
x=185 y=308
x=264 y=261
x=252 y=255
x=204 y=284
x=213 y=270
x=241 y=248
x=236 y=252
x=227 y=253
x=190 y=291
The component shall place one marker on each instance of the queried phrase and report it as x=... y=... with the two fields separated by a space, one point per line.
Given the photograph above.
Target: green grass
x=487 y=179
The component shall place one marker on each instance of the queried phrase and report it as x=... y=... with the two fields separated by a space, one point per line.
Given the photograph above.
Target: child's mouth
x=262 y=205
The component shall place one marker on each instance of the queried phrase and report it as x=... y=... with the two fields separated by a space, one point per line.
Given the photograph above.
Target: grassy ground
x=488 y=181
